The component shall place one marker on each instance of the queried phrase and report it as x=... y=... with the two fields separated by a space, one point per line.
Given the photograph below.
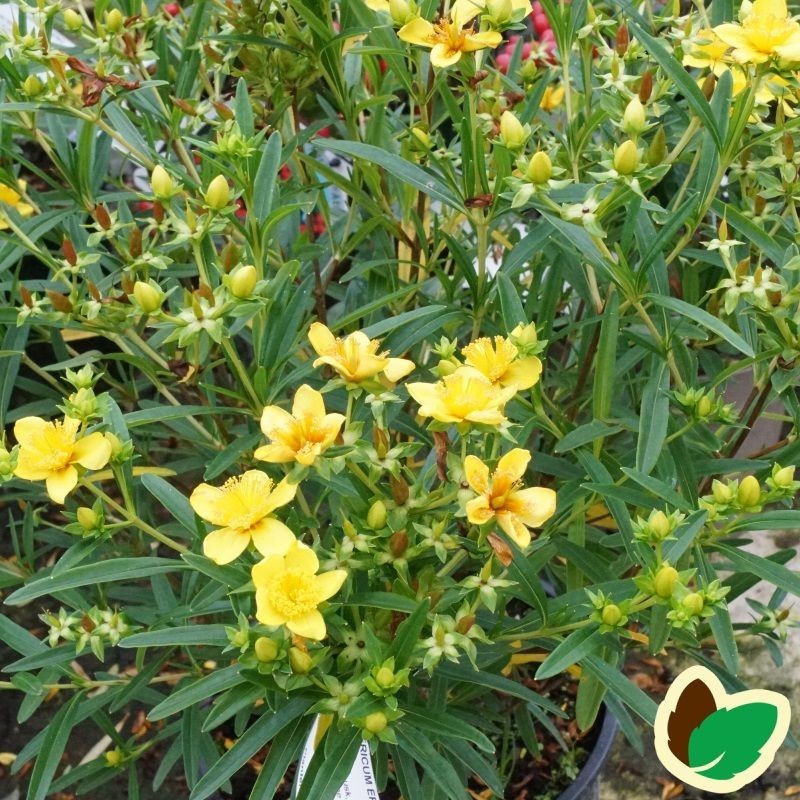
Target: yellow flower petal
x=444 y=55
x=732 y=34
x=282 y=494
x=274 y=417
x=308 y=402
x=514 y=463
x=206 y=501
x=478 y=510
x=271 y=537
x=514 y=529
x=523 y=373
x=398 y=368
x=267 y=569
x=29 y=429
x=478 y=41
x=265 y=612
x=477 y=474
x=225 y=545
x=321 y=338
x=301 y=557
x=533 y=506
x=311 y=626
x=92 y=451
x=418 y=31
x=329 y=583
x=275 y=454
x=60 y=484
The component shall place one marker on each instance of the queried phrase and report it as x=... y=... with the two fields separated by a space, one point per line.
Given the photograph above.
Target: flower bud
x=646 y=86
x=161 y=183
x=421 y=137
x=376 y=722
x=300 y=661
x=721 y=492
x=659 y=524
x=693 y=603
x=500 y=10
x=611 y=615
x=114 y=20
x=32 y=86
x=626 y=158
x=622 y=40
x=399 y=11
x=657 y=151
x=376 y=516
x=72 y=20
x=634 y=120
x=266 y=649
x=749 y=492
x=87 y=518
x=243 y=281
x=218 y=194
x=148 y=297
x=114 y=757
x=540 y=168
x=665 y=580
x=524 y=335
x=783 y=477
x=398 y=543
x=446 y=367
x=384 y=677
x=704 y=406
x=512 y=132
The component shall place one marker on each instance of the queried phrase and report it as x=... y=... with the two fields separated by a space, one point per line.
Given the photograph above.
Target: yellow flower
x=13 y=198
x=302 y=435
x=50 y=451
x=706 y=50
x=289 y=591
x=241 y=510
x=766 y=31
x=502 y=498
x=552 y=97
x=466 y=395
x=355 y=357
x=378 y=5
x=500 y=363
x=449 y=37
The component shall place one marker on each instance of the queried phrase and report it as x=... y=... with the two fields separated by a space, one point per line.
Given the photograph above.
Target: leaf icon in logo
x=729 y=741
x=716 y=741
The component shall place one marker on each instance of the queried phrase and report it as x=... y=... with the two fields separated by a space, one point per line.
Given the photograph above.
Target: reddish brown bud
x=135 y=243
x=204 y=291
x=623 y=40
x=502 y=550
x=27 y=297
x=187 y=108
x=465 y=623
x=223 y=110
x=158 y=212
x=441 y=441
x=708 y=85
x=126 y=284
x=399 y=490
x=68 y=249
x=94 y=291
x=646 y=87
x=788 y=145
x=398 y=543
x=760 y=205
x=102 y=217
x=230 y=255
x=60 y=302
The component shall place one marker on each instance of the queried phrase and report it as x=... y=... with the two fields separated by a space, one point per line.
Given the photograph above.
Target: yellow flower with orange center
x=767 y=31
x=301 y=436
x=13 y=198
x=52 y=451
x=241 y=510
x=498 y=360
x=706 y=50
x=502 y=497
x=355 y=357
x=466 y=395
x=289 y=591
x=451 y=36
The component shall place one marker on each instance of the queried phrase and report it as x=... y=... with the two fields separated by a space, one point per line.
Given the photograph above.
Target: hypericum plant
x=366 y=364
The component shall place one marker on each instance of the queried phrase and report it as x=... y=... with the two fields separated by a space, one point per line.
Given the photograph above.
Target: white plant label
x=359 y=784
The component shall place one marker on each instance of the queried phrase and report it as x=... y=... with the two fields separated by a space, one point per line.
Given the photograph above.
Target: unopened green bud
x=693 y=603
x=540 y=168
x=72 y=20
x=114 y=757
x=266 y=649
x=114 y=20
x=657 y=151
x=384 y=677
x=32 y=86
x=87 y=518
x=783 y=477
x=161 y=183
x=300 y=661
x=376 y=722
x=611 y=614
x=446 y=367
x=665 y=581
x=721 y=492
x=749 y=492
x=400 y=11
x=376 y=516
x=243 y=281
x=218 y=194
x=499 y=10
x=626 y=158
x=704 y=406
x=512 y=131
x=634 y=120
x=148 y=296
x=659 y=524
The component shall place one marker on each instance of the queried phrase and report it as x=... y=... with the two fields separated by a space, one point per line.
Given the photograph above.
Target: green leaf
x=435 y=766
x=732 y=738
x=175 y=637
x=605 y=384
x=284 y=749
x=702 y=317
x=584 y=434
x=680 y=78
x=445 y=724
x=407 y=635
x=196 y=692
x=331 y=764
x=511 y=307
x=115 y=570
x=576 y=646
x=421 y=179
x=175 y=502
x=52 y=748
x=773 y=573
x=386 y=600
x=254 y=738
x=628 y=692
x=524 y=571
x=653 y=418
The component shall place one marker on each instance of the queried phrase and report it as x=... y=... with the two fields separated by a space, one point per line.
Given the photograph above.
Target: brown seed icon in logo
x=694 y=705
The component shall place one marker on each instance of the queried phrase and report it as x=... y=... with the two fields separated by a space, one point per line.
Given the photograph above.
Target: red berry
x=526 y=49
x=503 y=61
x=383 y=66
x=173 y=9
x=541 y=23
x=536 y=8
x=285 y=173
x=325 y=132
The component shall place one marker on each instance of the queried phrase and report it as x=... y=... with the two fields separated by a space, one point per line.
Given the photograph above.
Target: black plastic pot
x=587 y=784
